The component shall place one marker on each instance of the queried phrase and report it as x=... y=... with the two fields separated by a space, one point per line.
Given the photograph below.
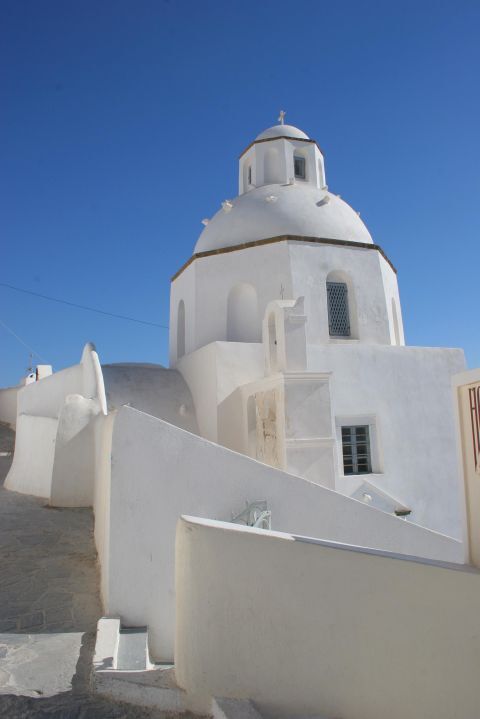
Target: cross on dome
x=281 y=117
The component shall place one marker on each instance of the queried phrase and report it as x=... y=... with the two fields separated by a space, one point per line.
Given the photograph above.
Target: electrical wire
x=9 y=329
x=82 y=307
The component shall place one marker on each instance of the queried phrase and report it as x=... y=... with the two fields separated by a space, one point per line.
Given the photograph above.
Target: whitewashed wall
x=54 y=445
x=467 y=406
x=307 y=628
x=8 y=406
x=159 y=471
x=213 y=372
x=405 y=392
x=295 y=269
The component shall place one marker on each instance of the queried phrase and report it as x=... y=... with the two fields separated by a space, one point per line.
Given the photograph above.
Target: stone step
x=223 y=708
x=123 y=671
x=132 y=650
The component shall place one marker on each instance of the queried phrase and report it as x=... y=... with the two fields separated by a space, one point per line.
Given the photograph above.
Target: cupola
x=282 y=154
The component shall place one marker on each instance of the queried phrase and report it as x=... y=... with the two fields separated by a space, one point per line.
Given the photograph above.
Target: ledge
x=285 y=238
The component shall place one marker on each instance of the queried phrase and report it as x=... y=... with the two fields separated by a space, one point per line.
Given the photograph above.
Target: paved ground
x=49 y=606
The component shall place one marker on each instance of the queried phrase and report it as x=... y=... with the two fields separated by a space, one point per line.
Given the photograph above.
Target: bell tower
x=283 y=155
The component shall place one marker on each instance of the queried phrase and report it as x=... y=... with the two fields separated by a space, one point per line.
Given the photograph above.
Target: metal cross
x=281 y=117
x=282 y=291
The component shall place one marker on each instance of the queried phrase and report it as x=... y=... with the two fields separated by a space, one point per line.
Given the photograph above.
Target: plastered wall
x=306 y=628
x=159 y=471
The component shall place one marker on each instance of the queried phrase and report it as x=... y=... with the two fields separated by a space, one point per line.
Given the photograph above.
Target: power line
x=9 y=329
x=82 y=307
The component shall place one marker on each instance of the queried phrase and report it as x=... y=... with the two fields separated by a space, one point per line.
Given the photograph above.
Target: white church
x=292 y=509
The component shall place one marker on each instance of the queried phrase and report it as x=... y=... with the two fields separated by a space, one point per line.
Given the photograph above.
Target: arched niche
x=344 y=278
x=396 y=327
x=243 y=324
x=252 y=426
x=272 y=342
x=272 y=170
x=181 y=329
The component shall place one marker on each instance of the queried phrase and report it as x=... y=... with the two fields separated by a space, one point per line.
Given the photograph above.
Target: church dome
x=282 y=131
x=277 y=209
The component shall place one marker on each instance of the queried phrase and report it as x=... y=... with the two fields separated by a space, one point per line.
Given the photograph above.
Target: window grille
x=356 y=450
x=299 y=167
x=338 y=316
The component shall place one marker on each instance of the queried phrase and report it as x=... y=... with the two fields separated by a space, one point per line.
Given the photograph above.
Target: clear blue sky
x=121 y=123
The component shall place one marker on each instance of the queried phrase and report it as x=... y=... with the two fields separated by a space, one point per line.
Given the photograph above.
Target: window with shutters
x=338 y=315
x=356 y=450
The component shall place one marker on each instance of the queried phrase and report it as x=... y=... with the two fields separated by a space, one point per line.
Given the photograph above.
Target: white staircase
x=122 y=669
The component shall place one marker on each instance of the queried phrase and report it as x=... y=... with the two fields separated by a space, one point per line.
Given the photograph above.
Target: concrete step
x=122 y=669
x=223 y=708
x=132 y=651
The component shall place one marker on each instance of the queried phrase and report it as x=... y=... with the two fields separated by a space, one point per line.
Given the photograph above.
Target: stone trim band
x=284 y=238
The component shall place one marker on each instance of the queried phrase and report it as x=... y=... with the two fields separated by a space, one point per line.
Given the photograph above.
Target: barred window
x=338 y=315
x=356 y=450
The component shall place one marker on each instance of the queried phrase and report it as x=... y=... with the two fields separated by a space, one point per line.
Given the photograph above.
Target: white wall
x=308 y=628
x=103 y=430
x=32 y=466
x=205 y=286
x=406 y=392
x=159 y=471
x=183 y=288
x=8 y=406
x=54 y=446
x=467 y=405
x=214 y=372
x=295 y=269
x=311 y=264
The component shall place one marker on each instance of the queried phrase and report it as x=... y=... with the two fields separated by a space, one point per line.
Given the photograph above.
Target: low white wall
x=74 y=462
x=8 y=406
x=103 y=429
x=303 y=627
x=45 y=398
x=32 y=466
x=54 y=446
x=160 y=472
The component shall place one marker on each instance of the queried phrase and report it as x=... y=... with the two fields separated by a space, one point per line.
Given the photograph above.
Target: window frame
x=302 y=160
x=329 y=284
x=354 y=442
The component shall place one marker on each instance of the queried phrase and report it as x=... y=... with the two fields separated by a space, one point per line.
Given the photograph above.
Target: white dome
x=282 y=131
x=275 y=210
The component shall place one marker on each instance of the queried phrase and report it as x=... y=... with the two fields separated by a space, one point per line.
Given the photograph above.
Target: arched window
x=341 y=305
x=243 y=323
x=181 y=329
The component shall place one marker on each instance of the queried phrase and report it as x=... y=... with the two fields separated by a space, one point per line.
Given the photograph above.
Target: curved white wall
x=8 y=405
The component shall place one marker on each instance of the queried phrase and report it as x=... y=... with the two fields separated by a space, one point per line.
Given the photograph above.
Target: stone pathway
x=49 y=607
